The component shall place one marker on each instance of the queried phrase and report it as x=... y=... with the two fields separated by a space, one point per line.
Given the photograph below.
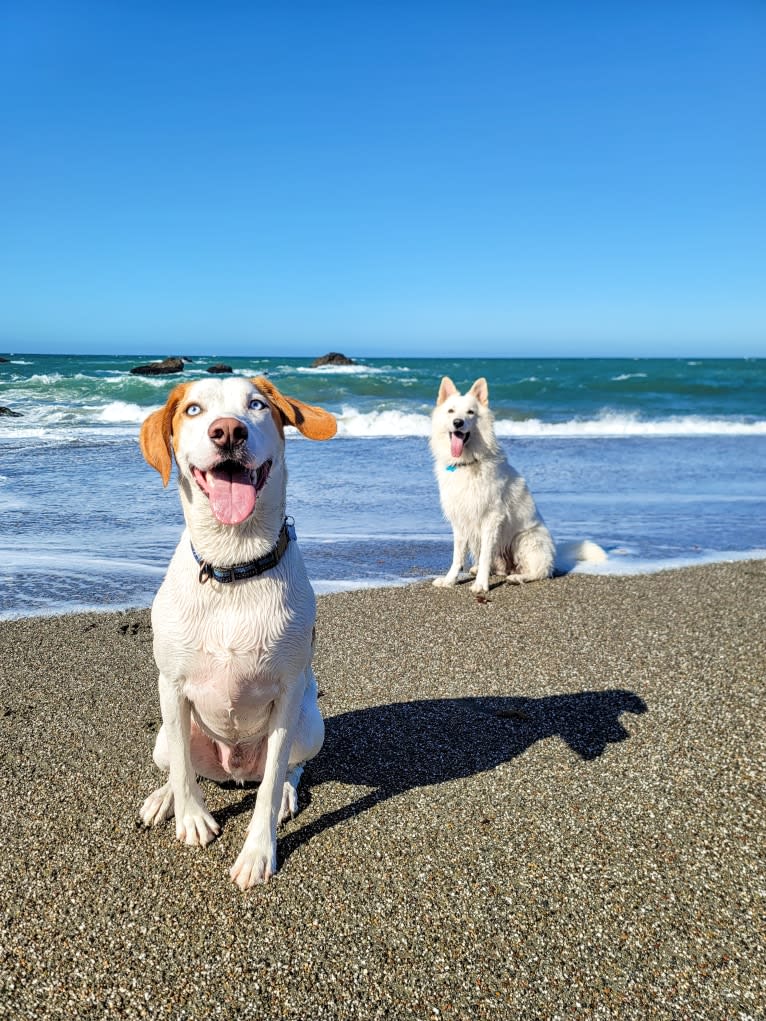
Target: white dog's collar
x=239 y=572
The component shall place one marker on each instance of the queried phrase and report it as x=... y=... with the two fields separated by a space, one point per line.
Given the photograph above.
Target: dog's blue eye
x=256 y=404
x=194 y=409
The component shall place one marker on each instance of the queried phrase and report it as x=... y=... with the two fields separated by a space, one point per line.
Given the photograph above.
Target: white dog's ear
x=480 y=390
x=315 y=423
x=446 y=389
x=156 y=433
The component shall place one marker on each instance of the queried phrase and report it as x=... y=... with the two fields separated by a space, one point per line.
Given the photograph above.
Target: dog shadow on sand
x=395 y=748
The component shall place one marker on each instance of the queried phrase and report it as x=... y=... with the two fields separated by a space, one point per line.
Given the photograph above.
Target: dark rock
x=163 y=368
x=333 y=358
x=9 y=413
x=220 y=367
x=4 y=359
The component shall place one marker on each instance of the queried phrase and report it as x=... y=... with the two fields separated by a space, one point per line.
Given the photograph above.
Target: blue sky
x=571 y=178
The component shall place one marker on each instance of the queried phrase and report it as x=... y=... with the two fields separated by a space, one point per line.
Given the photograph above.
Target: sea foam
x=122 y=411
x=338 y=370
x=372 y=424
x=624 y=425
x=355 y=423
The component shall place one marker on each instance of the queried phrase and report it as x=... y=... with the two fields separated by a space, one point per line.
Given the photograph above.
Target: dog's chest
x=235 y=656
x=233 y=648
x=463 y=492
x=232 y=689
x=232 y=679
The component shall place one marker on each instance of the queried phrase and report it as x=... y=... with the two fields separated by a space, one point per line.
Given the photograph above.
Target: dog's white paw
x=256 y=864
x=445 y=582
x=289 y=806
x=480 y=586
x=158 y=806
x=195 y=825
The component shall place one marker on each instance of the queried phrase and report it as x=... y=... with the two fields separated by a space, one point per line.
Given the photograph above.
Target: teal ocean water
x=663 y=462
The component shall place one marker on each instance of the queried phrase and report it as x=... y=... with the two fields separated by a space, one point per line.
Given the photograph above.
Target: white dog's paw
x=195 y=825
x=480 y=586
x=256 y=864
x=158 y=806
x=445 y=582
x=289 y=806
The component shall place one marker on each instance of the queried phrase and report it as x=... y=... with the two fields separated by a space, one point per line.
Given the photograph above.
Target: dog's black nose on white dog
x=458 y=423
x=227 y=432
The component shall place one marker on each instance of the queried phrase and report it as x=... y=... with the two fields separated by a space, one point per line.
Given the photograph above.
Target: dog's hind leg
x=289 y=806
x=306 y=744
x=531 y=555
x=158 y=806
x=205 y=757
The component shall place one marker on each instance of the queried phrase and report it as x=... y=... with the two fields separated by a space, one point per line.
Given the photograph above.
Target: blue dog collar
x=240 y=572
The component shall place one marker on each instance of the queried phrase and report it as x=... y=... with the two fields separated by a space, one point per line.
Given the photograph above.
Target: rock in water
x=333 y=358
x=163 y=368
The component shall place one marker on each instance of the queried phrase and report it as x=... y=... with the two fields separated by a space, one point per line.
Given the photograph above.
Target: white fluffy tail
x=569 y=553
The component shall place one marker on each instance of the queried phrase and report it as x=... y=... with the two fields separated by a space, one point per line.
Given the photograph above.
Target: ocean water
x=662 y=462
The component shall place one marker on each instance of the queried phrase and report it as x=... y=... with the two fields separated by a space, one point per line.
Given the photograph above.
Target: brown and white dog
x=234 y=617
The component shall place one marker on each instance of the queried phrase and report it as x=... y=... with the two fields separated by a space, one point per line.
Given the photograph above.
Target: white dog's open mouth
x=457 y=440
x=232 y=489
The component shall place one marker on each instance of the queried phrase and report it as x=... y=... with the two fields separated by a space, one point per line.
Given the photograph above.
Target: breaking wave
x=371 y=424
x=122 y=411
x=339 y=370
x=355 y=423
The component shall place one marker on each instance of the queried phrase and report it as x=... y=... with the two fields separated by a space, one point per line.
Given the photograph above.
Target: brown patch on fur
x=315 y=423
x=158 y=430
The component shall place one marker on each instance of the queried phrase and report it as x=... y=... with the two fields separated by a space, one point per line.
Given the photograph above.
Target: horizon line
x=191 y=358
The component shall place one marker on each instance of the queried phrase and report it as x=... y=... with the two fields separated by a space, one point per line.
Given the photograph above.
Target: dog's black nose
x=458 y=422
x=227 y=432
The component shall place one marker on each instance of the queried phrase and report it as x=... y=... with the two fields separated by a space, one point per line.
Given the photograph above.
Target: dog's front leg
x=257 y=861
x=459 y=550
x=489 y=532
x=181 y=795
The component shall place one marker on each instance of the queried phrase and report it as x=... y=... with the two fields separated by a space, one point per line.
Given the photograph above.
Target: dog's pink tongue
x=232 y=495
x=456 y=445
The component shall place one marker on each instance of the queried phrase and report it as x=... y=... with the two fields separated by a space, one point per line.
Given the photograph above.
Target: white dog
x=486 y=501
x=233 y=620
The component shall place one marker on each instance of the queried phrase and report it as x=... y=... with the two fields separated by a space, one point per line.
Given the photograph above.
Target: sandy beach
x=547 y=804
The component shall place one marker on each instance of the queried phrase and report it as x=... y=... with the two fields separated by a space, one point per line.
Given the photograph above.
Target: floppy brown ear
x=315 y=423
x=446 y=389
x=480 y=390
x=156 y=433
